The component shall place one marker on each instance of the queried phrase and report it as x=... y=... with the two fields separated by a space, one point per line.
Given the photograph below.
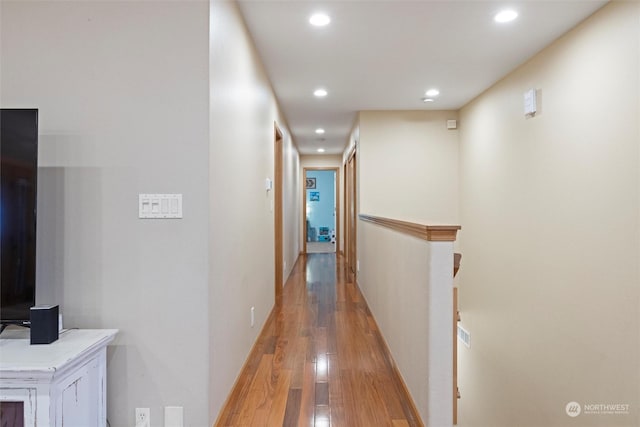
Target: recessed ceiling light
x=432 y=92
x=319 y=19
x=320 y=93
x=319 y=131
x=505 y=16
x=320 y=150
x=428 y=99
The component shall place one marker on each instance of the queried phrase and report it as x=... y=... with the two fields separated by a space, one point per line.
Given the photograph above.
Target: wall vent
x=464 y=336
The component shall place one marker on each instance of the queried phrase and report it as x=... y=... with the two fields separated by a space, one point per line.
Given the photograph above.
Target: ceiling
x=384 y=55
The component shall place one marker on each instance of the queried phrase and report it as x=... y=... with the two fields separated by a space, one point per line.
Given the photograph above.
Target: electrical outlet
x=253 y=316
x=143 y=417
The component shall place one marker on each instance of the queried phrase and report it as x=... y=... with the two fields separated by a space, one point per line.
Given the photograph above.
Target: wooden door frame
x=277 y=210
x=351 y=240
x=346 y=217
x=304 y=204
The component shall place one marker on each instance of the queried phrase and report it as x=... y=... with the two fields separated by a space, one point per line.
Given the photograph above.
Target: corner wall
x=551 y=238
x=243 y=110
x=122 y=89
x=407 y=166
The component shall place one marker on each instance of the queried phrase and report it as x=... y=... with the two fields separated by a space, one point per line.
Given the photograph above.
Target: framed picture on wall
x=314 y=196
x=311 y=183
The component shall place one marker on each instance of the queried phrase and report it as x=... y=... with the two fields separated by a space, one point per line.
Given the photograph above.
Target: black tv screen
x=18 y=189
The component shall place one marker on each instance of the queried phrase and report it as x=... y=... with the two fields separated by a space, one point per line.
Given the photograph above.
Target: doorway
x=321 y=218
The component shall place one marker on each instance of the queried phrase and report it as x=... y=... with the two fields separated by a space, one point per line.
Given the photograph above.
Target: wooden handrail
x=431 y=233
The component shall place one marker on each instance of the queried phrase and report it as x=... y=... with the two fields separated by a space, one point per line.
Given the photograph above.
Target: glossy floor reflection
x=320 y=360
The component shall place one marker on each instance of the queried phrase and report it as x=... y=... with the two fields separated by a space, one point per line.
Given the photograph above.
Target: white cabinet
x=62 y=384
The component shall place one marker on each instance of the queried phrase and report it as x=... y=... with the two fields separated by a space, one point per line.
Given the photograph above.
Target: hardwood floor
x=320 y=360
x=320 y=247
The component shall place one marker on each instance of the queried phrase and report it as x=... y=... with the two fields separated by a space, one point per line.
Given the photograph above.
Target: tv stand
x=65 y=380
x=4 y=326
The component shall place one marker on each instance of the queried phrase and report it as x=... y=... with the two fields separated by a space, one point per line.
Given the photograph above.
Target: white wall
x=125 y=112
x=313 y=161
x=241 y=236
x=551 y=234
x=122 y=89
x=408 y=166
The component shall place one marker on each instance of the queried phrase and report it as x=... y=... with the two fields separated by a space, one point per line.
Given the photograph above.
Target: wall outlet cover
x=173 y=416
x=143 y=417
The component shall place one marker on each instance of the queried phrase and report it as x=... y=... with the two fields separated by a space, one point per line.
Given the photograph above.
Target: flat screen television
x=18 y=189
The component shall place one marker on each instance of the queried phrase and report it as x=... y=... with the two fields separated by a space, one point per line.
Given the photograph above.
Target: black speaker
x=44 y=324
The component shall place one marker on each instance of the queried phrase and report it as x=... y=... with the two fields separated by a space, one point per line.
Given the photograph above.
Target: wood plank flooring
x=320 y=360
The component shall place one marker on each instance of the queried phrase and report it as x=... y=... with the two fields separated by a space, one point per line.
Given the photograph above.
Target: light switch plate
x=159 y=206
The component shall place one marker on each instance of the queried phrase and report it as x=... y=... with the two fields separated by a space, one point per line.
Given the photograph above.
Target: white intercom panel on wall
x=530 y=104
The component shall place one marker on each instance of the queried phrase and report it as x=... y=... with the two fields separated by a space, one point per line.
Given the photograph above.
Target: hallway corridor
x=320 y=360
